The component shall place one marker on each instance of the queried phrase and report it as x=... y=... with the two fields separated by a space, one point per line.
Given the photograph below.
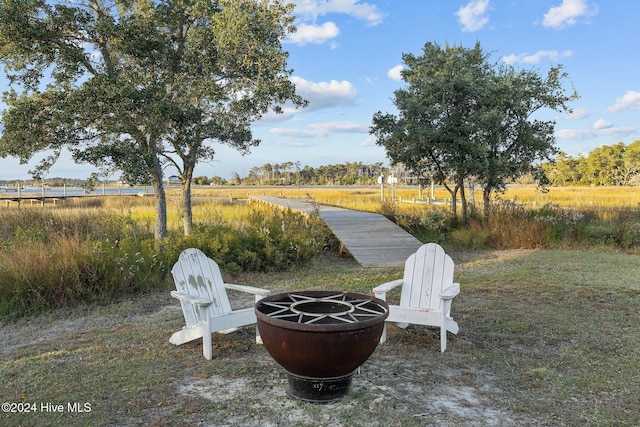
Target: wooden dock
x=35 y=198
x=372 y=239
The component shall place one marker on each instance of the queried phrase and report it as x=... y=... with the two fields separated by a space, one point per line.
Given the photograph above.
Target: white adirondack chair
x=427 y=292
x=205 y=304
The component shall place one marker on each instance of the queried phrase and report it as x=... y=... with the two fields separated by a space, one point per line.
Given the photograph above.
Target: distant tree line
x=293 y=173
x=286 y=173
x=618 y=164
x=49 y=182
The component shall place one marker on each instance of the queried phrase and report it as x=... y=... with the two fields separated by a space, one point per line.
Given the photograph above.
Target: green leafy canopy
x=462 y=117
x=140 y=84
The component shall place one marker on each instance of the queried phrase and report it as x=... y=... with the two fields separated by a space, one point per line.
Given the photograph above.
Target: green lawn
x=546 y=338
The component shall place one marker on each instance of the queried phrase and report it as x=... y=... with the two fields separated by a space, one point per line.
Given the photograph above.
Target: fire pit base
x=318 y=390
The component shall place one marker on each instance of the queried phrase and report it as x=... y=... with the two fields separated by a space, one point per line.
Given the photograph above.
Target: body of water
x=75 y=191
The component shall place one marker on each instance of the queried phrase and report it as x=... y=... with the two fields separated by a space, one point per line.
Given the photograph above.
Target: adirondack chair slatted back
x=426 y=273
x=197 y=275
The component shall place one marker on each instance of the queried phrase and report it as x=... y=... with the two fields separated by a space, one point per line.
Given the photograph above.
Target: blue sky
x=346 y=57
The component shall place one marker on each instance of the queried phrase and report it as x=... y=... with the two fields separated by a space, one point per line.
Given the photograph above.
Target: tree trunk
x=187 y=212
x=472 y=192
x=463 y=201
x=160 y=231
x=453 y=192
x=189 y=164
x=486 y=203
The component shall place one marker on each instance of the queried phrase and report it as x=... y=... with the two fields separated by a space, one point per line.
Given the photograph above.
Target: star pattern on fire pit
x=332 y=308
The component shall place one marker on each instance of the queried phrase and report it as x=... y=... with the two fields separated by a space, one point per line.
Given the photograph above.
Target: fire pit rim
x=322 y=327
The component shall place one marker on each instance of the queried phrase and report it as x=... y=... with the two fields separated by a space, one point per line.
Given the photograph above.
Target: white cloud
x=567 y=13
x=311 y=9
x=369 y=141
x=579 y=113
x=325 y=94
x=317 y=34
x=341 y=127
x=293 y=132
x=553 y=55
x=600 y=128
x=394 y=73
x=473 y=16
x=289 y=112
x=322 y=129
x=319 y=94
x=602 y=124
x=629 y=101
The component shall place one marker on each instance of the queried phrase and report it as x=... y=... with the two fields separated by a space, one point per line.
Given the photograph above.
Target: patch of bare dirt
x=414 y=386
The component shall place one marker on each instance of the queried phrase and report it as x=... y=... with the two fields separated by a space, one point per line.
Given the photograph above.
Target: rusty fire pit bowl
x=320 y=338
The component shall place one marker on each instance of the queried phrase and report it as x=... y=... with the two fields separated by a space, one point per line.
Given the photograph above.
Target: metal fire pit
x=320 y=338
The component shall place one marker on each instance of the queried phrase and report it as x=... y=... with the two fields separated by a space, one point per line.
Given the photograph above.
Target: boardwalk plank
x=372 y=239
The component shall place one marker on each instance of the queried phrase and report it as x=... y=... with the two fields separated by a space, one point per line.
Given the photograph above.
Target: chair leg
x=258 y=337
x=206 y=334
x=206 y=345
x=383 y=337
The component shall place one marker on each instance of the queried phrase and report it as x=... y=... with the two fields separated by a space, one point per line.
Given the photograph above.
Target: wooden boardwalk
x=372 y=239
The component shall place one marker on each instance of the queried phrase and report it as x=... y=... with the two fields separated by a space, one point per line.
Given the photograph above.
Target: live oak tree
x=461 y=116
x=233 y=71
x=512 y=142
x=139 y=85
x=431 y=135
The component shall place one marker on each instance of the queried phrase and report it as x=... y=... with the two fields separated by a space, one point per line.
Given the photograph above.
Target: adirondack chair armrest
x=248 y=289
x=451 y=291
x=191 y=299
x=386 y=287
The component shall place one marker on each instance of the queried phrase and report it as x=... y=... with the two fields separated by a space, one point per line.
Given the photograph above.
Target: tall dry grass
x=522 y=217
x=577 y=197
x=54 y=257
x=102 y=249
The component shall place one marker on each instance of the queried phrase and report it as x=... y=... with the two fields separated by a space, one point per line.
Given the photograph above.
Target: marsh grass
x=523 y=217
x=577 y=197
x=55 y=257
x=50 y=258
x=99 y=247
x=94 y=249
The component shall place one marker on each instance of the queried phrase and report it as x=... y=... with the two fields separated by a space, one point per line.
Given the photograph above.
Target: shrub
x=432 y=226
x=433 y=221
x=268 y=239
x=473 y=236
x=510 y=225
